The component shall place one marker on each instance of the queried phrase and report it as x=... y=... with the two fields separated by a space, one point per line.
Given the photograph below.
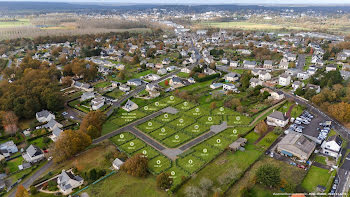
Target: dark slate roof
x=43 y=113
x=335 y=138
x=278 y=115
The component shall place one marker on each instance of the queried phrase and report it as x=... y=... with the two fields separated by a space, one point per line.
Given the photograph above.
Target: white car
x=64 y=113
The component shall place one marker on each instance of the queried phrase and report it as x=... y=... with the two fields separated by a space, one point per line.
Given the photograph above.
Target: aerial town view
x=174 y=99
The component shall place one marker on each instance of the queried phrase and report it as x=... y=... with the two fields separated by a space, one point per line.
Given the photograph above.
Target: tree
x=212 y=105
x=166 y=82
x=68 y=144
x=261 y=127
x=299 y=91
x=22 y=192
x=92 y=123
x=164 y=181
x=340 y=111
x=10 y=122
x=136 y=165
x=206 y=183
x=268 y=175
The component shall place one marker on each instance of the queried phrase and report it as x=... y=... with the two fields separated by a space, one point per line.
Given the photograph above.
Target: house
x=232 y=77
x=342 y=57
x=209 y=71
x=254 y=82
x=229 y=87
x=162 y=71
x=331 y=67
x=124 y=88
x=234 y=64
x=303 y=75
x=284 y=80
x=283 y=65
x=134 y=82
x=151 y=77
x=216 y=85
x=345 y=74
x=176 y=81
x=264 y=76
x=240 y=142
x=297 y=84
x=97 y=102
x=7 y=148
x=171 y=68
x=224 y=61
x=83 y=86
x=346 y=67
x=291 y=57
x=249 y=64
x=44 y=116
x=33 y=154
x=130 y=106
x=185 y=70
x=296 y=145
x=52 y=124
x=313 y=87
x=117 y=163
x=332 y=146
x=277 y=119
x=86 y=96
x=268 y=64
x=24 y=166
x=67 y=181
x=191 y=80
x=56 y=132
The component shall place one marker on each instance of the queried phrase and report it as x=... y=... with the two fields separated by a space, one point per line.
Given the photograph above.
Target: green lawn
x=185 y=106
x=162 y=133
x=182 y=122
x=159 y=164
x=190 y=163
x=149 y=126
x=122 y=184
x=103 y=84
x=122 y=138
x=13 y=164
x=132 y=146
x=115 y=94
x=315 y=176
x=176 y=140
x=196 y=129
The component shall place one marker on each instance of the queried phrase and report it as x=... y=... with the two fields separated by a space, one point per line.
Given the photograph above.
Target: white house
x=229 y=87
x=264 y=76
x=7 y=148
x=277 y=118
x=67 y=181
x=268 y=64
x=297 y=84
x=124 y=88
x=284 y=65
x=117 y=163
x=303 y=75
x=249 y=64
x=130 y=106
x=33 y=154
x=134 y=82
x=87 y=95
x=44 y=116
x=185 y=70
x=52 y=124
x=284 y=80
x=313 y=87
x=234 y=64
x=97 y=103
x=332 y=146
x=162 y=71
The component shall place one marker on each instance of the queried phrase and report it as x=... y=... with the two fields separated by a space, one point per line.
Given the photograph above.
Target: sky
x=314 y=2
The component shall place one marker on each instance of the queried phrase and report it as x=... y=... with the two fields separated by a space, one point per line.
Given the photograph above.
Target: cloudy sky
x=315 y=2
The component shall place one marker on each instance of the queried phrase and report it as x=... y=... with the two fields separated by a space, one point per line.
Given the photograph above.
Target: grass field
x=159 y=164
x=315 y=176
x=103 y=84
x=17 y=23
x=122 y=184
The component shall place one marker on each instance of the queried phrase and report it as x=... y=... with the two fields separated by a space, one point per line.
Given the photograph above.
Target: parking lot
x=309 y=125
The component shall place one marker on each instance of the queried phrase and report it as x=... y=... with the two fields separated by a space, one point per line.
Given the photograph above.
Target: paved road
x=28 y=182
x=136 y=91
x=196 y=141
x=301 y=62
x=147 y=139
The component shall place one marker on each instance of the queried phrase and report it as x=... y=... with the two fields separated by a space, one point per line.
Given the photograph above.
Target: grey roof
x=50 y=124
x=43 y=113
x=278 y=115
x=57 y=131
x=33 y=151
x=64 y=178
x=118 y=162
x=268 y=62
